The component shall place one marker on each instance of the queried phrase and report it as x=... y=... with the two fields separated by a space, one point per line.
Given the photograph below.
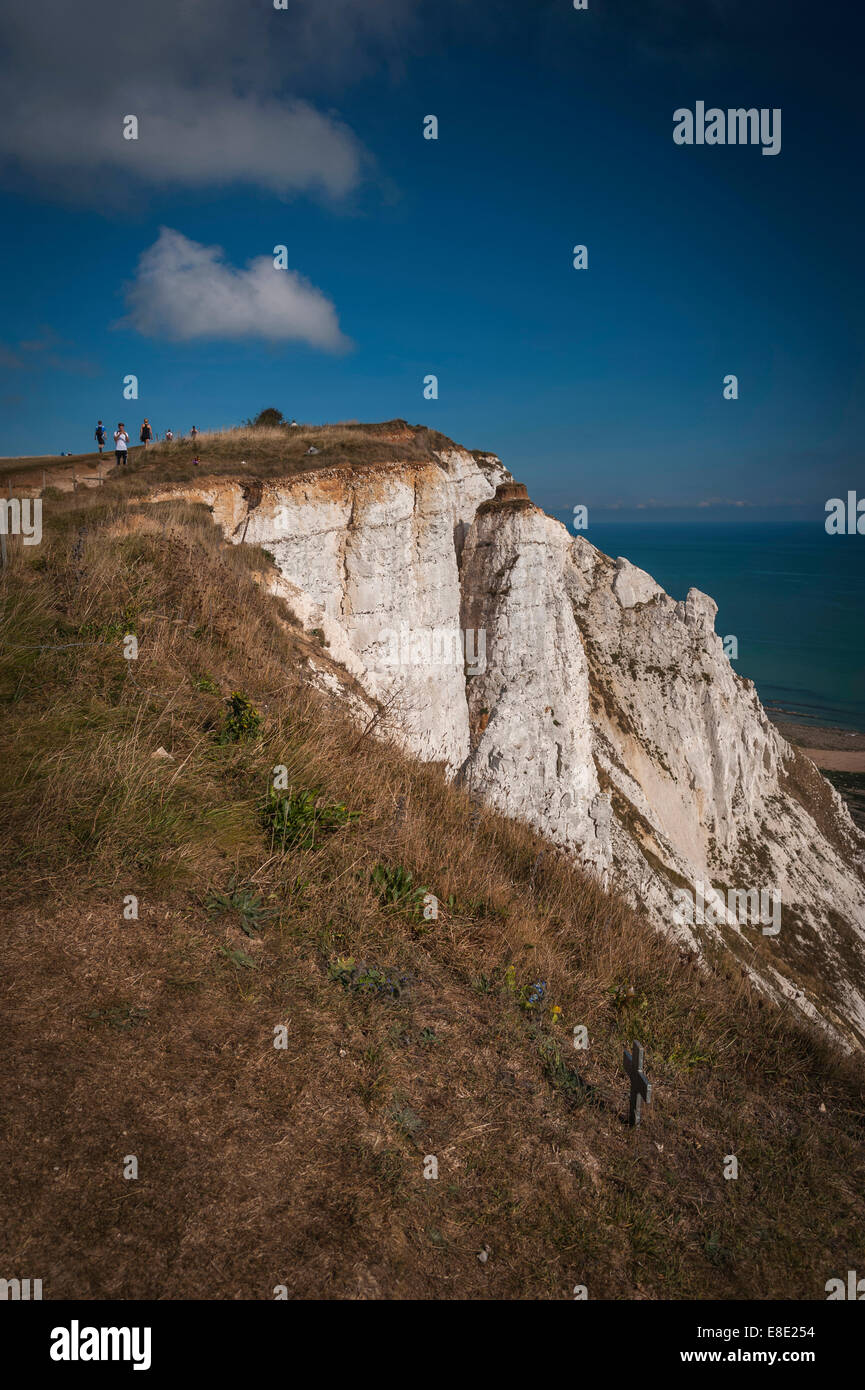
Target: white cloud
x=184 y=290
x=223 y=92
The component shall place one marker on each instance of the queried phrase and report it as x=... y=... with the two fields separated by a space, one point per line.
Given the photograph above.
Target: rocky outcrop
x=568 y=690
x=705 y=791
x=531 y=752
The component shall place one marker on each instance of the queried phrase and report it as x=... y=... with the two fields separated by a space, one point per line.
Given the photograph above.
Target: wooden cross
x=641 y=1087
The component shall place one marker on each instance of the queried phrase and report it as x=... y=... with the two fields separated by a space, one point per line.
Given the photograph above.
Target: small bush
x=397 y=888
x=112 y=631
x=562 y=1077
x=242 y=720
x=295 y=819
x=249 y=906
x=270 y=417
x=361 y=978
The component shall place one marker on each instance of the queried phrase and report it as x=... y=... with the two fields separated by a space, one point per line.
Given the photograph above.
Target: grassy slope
x=257 y=452
x=304 y=1166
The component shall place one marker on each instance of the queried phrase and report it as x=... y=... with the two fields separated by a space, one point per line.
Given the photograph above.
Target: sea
x=792 y=595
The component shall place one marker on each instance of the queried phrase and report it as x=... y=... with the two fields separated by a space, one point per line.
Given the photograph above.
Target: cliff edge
x=568 y=690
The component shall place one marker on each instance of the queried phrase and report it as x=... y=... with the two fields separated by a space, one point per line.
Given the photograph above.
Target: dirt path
x=65 y=475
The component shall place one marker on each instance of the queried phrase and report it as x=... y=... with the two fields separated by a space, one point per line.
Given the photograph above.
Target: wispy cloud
x=47 y=351
x=655 y=503
x=184 y=290
x=195 y=139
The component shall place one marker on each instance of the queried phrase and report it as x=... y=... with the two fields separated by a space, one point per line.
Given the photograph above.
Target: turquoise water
x=792 y=595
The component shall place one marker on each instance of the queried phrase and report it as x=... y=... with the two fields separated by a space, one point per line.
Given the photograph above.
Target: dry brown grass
x=304 y=1167
x=260 y=452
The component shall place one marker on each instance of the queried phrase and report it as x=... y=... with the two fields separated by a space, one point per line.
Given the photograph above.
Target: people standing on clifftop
x=146 y=432
x=99 y=435
x=193 y=434
x=121 y=445
x=169 y=435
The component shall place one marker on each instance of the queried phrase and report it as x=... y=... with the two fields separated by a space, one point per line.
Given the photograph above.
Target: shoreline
x=840 y=756
x=841 y=750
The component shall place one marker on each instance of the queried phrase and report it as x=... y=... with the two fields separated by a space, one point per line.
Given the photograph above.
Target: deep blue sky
x=453 y=256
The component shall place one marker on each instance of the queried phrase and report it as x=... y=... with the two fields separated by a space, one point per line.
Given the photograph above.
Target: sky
x=407 y=257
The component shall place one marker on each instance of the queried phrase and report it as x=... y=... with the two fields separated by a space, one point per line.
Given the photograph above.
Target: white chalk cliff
x=589 y=703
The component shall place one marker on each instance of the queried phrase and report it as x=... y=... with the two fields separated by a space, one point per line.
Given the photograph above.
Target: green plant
x=342 y=969
x=472 y=907
x=242 y=720
x=684 y=1058
x=238 y=957
x=248 y=905
x=397 y=888
x=559 y=1074
x=112 y=630
x=297 y=891
x=485 y=984
x=206 y=684
x=625 y=996
x=531 y=997
x=366 y=979
x=296 y=819
x=406 y=1120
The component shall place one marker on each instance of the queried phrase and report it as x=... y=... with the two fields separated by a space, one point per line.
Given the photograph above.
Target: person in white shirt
x=121 y=444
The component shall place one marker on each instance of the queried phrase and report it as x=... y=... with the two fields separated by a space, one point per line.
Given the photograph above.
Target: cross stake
x=641 y=1087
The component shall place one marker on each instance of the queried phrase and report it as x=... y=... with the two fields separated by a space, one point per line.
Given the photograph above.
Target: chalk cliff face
x=569 y=691
x=531 y=752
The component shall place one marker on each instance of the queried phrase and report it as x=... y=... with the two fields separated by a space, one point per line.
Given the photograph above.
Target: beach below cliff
x=840 y=756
